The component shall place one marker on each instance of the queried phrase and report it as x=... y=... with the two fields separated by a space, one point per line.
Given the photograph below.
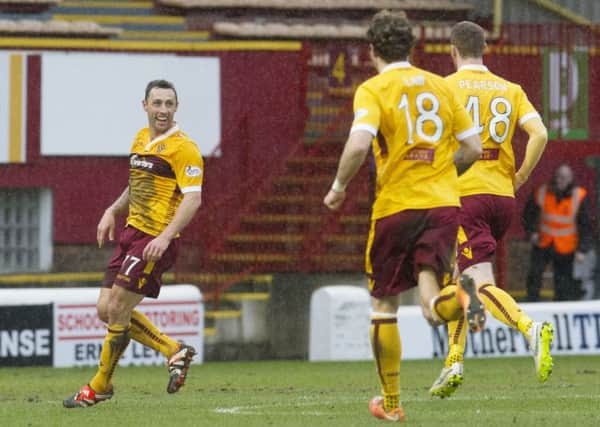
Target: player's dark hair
x=160 y=84
x=469 y=39
x=390 y=34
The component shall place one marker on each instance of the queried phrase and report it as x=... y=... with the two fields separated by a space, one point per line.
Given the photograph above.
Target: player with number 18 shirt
x=415 y=119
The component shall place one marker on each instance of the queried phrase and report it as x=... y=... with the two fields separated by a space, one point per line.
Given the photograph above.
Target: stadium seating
x=26 y=6
x=39 y=28
x=342 y=31
x=117 y=19
x=140 y=20
x=311 y=6
x=32 y=18
x=304 y=19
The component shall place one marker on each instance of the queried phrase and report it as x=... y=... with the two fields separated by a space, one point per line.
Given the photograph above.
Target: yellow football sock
x=524 y=325
x=387 y=350
x=145 y=332
x=115 y=343
x=504 y=308
x=446 y=304
x=457 y=337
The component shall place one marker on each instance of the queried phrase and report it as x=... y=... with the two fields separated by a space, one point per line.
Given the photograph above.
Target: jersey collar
x=395 y=65
x=161 y=137
x=473 y=67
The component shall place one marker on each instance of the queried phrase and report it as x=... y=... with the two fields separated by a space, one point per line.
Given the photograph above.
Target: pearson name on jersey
x=496 y=107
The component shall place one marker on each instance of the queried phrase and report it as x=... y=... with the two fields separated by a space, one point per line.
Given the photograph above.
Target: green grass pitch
x=496 y=392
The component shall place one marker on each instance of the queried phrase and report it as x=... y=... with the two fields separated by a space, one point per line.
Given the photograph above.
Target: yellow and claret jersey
x=415 y=119
x=160 y=172
x=496 y=107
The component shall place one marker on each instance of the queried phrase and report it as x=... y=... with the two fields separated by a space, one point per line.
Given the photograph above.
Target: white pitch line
x=273 y=407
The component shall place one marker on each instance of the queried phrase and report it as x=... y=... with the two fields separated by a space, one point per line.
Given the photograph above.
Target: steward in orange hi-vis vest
x=558 y=224
x=558 y=219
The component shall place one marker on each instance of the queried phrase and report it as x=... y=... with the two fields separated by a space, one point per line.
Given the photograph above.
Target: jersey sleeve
x=188 y=166
x=367 y=113
x=462 y=124
x=526 y=110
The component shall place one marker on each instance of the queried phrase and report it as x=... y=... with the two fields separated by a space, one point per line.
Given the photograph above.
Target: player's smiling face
x=160 y=106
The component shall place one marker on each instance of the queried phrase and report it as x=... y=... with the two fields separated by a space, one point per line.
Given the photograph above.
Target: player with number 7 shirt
x=410 y=119
x=487 y=194
x=162 y=197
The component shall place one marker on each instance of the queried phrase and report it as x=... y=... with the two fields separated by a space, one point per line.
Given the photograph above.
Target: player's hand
x=579 y=257
x=334 y=199
x=106 y=227
x=519 y=181
x=155 y=249
x=534 y=238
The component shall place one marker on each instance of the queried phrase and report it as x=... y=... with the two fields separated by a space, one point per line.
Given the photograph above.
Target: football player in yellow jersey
x=163 y=195
x=487 y=192
x=410 y=119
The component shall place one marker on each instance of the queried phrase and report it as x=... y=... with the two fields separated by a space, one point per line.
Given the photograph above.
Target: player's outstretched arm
x=467 y=154
x=183 y=215
x=106 y=226
x=354 y=154
x=538 y=137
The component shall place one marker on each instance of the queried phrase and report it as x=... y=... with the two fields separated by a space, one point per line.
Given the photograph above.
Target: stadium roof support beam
x=564 y=12
x=497 y=23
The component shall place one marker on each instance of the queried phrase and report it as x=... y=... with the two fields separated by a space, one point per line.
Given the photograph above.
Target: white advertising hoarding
x=340 y=323
x=77 y=333
x=576 y=331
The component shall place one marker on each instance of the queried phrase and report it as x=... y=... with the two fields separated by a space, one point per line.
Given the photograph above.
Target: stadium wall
x=262 y=113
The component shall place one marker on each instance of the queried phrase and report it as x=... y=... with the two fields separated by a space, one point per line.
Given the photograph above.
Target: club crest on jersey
x=193 y=171
x=160 y=148
x=136 y=162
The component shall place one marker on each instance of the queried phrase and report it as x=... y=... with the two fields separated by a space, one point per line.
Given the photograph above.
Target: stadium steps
x=313 y=165
x=288 y=204
x=279 y=223
x=127 y=22
x=301 y=184
x=286 y=228
x=241 y=318
x=215 y=285
x=221 y=325
x=258 y=241
x=345 y=243
x=106 y=7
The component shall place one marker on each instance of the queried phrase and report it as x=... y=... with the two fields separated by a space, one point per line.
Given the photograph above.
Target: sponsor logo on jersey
x=193 y=171
x=137 y=162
